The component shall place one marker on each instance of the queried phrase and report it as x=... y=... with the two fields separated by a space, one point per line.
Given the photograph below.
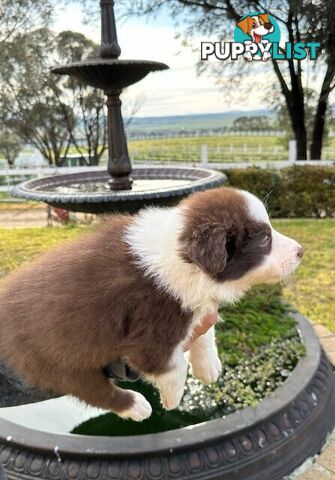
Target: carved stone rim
x=201 y=178
x=180 y=439
x=152 y=64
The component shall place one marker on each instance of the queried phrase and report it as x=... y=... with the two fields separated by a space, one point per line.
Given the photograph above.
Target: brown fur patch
x=220 y=236
x=67 y=315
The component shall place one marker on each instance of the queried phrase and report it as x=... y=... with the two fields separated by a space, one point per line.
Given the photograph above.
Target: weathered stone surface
x=316 y=473
x=328 y=344
x=322 y=332
x=327 y=458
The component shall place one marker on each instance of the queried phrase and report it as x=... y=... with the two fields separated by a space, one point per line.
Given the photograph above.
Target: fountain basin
x=261 y=443
x=89 y=192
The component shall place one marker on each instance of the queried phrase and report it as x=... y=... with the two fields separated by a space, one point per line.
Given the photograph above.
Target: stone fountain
x=121 y=188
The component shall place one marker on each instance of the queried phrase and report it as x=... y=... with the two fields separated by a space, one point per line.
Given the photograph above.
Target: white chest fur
x=153 y=239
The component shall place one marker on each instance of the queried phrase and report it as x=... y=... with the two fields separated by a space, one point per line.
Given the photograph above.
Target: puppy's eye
x=265 y=240
x=254 y=24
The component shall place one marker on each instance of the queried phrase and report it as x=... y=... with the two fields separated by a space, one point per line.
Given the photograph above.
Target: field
x=312 y=291
x=220 y=149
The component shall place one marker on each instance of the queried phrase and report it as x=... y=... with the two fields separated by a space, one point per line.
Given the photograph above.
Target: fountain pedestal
x=119 y=166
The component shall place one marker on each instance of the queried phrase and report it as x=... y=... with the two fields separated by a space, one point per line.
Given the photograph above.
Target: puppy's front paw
x=207 y=369
x=140 y=409
x=171 y=394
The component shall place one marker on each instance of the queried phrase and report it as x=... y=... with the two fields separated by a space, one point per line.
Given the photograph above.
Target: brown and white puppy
x=135 y=289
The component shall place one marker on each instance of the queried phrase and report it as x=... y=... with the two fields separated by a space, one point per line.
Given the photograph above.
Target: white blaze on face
x=285 y=254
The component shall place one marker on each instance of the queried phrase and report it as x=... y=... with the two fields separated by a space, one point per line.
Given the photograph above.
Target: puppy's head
x=227 y=233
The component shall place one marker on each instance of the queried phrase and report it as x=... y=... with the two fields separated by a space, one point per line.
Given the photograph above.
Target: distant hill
x=189 y=123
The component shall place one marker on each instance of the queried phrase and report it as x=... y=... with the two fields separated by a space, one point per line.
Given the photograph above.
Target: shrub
x=307 y=191
x=299 y=191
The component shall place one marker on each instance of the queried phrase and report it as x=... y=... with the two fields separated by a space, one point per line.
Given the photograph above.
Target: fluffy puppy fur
x=135 y=288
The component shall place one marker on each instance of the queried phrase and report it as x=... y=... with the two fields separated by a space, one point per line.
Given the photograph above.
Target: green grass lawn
x=312 y=290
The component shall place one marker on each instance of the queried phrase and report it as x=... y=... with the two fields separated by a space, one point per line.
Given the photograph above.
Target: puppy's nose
x=300 y=251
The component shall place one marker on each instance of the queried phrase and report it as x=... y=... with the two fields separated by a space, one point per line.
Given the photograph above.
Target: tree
x=323 y=23
x=10 y=146
x=89 y=133
x=30 y=96
x=277 y=103
x=49 y=111
x=302 y=20
x=252 y=123
x=23 y=16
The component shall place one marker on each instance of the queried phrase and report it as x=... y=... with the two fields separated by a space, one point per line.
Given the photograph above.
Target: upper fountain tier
x=106 y=71
x=110 y=74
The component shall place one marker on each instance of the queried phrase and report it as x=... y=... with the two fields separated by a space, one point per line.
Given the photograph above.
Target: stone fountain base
x=261 y=443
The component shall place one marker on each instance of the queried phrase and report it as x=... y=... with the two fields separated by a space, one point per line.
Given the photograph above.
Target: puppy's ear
x=244 y=25
x=206 y=246
x=264 y=17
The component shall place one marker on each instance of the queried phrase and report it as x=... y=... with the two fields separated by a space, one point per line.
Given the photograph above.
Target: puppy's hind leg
x=94 y=388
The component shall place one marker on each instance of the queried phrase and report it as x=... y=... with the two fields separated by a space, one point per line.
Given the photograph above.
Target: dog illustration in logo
x=256 y=26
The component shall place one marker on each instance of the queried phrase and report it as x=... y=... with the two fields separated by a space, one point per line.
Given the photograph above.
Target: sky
x=177 y=91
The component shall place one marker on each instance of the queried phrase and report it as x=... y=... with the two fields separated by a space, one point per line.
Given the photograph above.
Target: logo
x=257 y=38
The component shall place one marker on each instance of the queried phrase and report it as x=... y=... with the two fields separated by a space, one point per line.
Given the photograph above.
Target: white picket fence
x=217 y=153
